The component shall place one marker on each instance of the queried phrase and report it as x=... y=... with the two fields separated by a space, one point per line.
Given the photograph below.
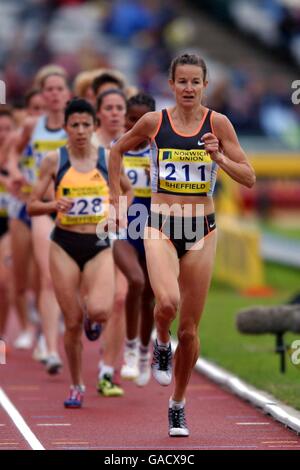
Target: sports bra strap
x=101 y=164
x=64 y=165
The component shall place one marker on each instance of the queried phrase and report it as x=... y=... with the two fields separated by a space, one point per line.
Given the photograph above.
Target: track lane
x=217 y=419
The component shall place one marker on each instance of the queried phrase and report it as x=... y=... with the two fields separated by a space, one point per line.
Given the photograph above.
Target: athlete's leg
x=145 y=330
x=195 y=276
x=163 y=269
x=98 y=286
x=34 y=280
x=115 y=329
x=66 y=281
x=4 y=281
x=113 y=340
x=126 y=259
x=21 y=254
x=48 y=306
x=146 y=320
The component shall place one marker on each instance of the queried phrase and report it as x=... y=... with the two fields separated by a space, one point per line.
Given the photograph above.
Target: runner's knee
x=187 y=335
x=119 y=302
x=98 y=313
x=46 y=283
x=73 y=326
x=167 y=307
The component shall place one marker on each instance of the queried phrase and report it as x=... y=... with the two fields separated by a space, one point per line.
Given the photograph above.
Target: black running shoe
x=92 y=329
x=177 y=422
x=162 y=364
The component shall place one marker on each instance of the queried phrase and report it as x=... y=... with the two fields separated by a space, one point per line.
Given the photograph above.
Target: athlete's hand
x=117 y=218
x=63 y=205
x=13 y=185
x=212 y=146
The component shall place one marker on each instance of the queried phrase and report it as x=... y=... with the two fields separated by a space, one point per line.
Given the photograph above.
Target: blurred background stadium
x=252 y=48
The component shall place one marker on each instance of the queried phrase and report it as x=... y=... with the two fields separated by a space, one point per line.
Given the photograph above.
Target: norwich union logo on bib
x=184 y=171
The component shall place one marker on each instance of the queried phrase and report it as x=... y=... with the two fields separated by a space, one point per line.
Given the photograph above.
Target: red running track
x=217 y=419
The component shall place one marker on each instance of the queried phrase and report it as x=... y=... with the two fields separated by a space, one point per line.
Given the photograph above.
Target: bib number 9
x=133 y=176
x=139 y=178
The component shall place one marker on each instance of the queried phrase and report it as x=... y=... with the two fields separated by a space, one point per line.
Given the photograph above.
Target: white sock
x=106 y=370
x=176 y=404
x=131 y=343
x=162 y=345
x=79 y=387
x=144 y=350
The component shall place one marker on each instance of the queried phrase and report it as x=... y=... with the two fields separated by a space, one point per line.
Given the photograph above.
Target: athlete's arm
x=126 y=187
x=25 y=134
x=143 y=130
x=7 y=146
x=4 y=180
x=35 y=205
x=232 y=159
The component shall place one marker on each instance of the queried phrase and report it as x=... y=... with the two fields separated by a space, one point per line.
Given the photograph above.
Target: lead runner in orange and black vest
x=80 y=261
x=188 y=143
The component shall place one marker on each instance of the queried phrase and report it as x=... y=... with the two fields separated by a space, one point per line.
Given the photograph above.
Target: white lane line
x=253 y=424
x=53 y=424
x=19 y=422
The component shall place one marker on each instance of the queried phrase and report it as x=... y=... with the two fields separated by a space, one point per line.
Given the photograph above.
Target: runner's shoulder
x=50 y=162
x=220 y=122
x=30 y=123
x=150 y=121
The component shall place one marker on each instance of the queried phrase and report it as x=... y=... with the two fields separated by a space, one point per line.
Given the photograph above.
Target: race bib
x=89 y=206
x=184 y=171
x=4 y=199
x=41 y=148
x=138 y=171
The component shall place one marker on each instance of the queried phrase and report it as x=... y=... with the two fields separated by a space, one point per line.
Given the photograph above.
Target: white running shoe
x=129 y=370
x=162 y=364
x=24 y=340
x=144 y=370
x=53 y=364
x=40 y=352
x=177 y=422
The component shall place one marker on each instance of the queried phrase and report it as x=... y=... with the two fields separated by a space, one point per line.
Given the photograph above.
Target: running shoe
x=53 y=364
x=24 y=340
x=75 y=399
x=144 y=370
x=129 y=370
x=40 y=352
x=162 y=364
x=108 y=388
x=177 y=422
x=92 y=329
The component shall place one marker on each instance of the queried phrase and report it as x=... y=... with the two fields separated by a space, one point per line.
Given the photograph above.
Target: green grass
x=281 y=229
x=251 y=357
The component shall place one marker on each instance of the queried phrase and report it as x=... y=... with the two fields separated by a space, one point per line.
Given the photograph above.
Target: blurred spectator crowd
x=137 y=38
x=275 y=23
